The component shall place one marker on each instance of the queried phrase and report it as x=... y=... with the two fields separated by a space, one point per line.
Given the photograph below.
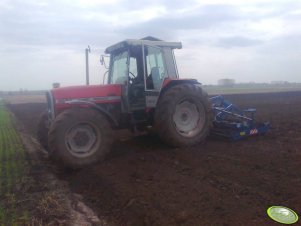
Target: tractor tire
x=79 y=137
x=42 y=130
x=183 y=115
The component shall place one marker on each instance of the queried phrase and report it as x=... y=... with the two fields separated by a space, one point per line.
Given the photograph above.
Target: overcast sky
x=247 y=40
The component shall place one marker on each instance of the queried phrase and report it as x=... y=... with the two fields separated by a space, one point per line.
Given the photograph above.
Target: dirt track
x=144 y=182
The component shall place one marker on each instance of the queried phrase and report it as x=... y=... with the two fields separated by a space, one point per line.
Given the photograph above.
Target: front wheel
x=42 y=130
x=183 y=115
x=79 y=137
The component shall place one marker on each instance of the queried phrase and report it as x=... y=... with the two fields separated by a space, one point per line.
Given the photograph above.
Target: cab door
x=154 y=73
x=136 y=83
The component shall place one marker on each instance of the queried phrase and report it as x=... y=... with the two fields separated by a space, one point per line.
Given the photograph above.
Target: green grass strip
x=12 y=170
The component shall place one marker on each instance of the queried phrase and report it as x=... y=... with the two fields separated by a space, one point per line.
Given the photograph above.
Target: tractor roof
x=149 y=40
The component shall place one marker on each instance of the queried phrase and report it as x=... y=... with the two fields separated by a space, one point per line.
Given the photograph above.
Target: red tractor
x=143 y=91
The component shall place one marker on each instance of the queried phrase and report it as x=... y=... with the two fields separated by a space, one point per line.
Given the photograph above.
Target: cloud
x=202 y=18
x=51 y=25
x=283 y=47
x=238 y=41
x=46 y=39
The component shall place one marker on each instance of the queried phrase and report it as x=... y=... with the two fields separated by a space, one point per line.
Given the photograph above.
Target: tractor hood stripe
x=90 y=99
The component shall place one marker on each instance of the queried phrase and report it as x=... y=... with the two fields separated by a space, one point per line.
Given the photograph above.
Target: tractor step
x=232 y=123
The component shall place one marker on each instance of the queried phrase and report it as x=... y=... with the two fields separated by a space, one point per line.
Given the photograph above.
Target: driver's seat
x=153 y=79
x=156 y=77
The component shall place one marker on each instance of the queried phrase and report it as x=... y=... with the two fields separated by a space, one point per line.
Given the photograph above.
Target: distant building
x=226 y=82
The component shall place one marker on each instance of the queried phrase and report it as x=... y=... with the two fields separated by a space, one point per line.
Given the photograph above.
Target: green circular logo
x=282 y=214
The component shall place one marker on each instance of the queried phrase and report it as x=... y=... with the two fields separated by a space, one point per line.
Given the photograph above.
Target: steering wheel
x=131 y=77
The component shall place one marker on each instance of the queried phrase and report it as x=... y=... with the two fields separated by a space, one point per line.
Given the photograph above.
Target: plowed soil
x=145 y=182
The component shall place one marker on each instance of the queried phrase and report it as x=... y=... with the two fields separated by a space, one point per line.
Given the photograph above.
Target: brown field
x=23 y=99
x=144 y=182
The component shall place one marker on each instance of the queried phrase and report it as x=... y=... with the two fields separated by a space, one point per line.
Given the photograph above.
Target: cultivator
x=232 y=123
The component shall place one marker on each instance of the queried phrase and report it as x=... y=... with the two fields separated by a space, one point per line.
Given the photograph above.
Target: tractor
x=143 y=90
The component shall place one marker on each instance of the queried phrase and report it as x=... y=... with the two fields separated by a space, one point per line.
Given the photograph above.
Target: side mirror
x=102 y=61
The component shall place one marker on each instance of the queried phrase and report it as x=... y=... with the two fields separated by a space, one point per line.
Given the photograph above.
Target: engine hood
x=86 y=92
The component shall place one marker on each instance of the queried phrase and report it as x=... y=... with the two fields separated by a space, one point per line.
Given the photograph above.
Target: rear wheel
x=79 y=137
x=42 y=130
x=183 y=115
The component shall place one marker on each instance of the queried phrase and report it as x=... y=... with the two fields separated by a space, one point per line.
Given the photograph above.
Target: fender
x=96 y=107
x=152 y=97
x=50 y=106
x=168 y=83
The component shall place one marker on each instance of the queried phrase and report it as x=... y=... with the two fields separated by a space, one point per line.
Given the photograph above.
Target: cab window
x=119 y=71
x=155 y=67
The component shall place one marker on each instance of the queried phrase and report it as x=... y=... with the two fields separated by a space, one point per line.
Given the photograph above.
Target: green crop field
x=12 y=172
x=27 y=195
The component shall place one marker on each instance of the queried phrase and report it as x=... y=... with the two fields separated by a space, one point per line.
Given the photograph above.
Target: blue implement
x=233 y=123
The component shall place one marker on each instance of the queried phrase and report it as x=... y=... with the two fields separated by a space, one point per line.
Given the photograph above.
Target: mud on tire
x=183 y=115
x=79 y=137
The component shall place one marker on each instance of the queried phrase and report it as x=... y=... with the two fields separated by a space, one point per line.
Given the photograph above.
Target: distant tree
x=279 y=82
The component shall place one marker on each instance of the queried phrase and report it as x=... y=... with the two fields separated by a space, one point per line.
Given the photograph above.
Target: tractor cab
x=141 y=66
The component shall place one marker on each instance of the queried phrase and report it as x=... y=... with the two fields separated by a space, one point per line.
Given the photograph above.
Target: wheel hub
x=81 y=139
x=188 y=118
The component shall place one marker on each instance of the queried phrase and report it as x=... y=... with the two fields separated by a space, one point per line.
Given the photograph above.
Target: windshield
x=119 y=68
